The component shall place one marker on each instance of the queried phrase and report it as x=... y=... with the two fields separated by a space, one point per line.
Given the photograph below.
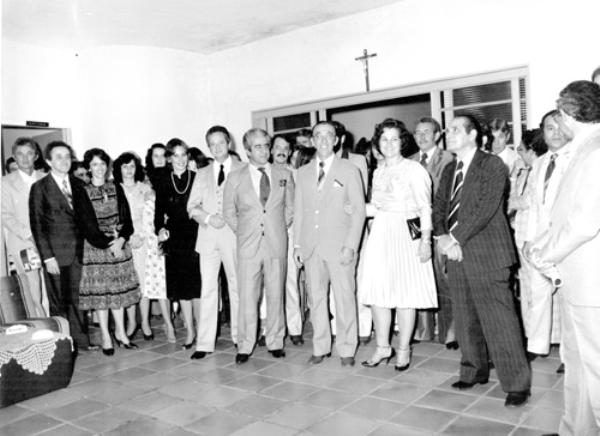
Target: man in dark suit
x=56 y=203
x=472 y=231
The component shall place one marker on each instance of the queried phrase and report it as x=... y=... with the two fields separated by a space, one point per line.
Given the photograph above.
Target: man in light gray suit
x=434 y=159
x=258 y=207
x=326 y=240
x=215 y=242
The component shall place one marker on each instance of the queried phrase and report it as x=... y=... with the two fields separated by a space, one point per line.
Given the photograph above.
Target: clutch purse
x=30 y=259
x=414 y=228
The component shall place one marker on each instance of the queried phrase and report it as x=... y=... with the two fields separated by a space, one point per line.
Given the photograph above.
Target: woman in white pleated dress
x=398 y=272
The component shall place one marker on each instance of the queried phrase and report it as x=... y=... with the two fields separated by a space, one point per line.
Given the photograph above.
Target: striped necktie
x=321 y=173
x=455 y=198
x=67 y=193
x=549 y=171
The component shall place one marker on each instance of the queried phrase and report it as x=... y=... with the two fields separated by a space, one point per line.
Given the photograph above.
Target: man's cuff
x=49 y=259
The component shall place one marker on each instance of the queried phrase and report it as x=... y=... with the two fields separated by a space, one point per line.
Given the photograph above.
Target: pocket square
x=337 y=184
x=283 y=183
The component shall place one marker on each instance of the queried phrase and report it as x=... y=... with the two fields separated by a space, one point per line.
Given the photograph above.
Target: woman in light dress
x=397 y=272
x=149 y=264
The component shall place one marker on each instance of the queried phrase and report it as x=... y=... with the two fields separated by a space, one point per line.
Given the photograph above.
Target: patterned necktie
x=455 y=198
x=321 y=173
x=264 y=187
x=67 y=193
x=423 y=160
x=221 y=176
x=549 y=172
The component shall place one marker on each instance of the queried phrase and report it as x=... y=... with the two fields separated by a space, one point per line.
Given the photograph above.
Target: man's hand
x=216 y=221
x=445 y=242
x=298 y=258
x=455 y=253
x=52 y=266
x=346 y=256
x=424 y=250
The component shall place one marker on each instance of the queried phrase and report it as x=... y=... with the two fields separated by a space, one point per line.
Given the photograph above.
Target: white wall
x=128 y=97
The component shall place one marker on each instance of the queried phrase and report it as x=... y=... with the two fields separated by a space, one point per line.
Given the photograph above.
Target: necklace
x=187 y=185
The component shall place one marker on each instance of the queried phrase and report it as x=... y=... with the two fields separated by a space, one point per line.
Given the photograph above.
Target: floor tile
x=440 y=365
x=149 y=403
x=128 y=374
x=264 y=429
x=544 y=380
x=182 y=413
x=185 y=389
x=552 y=398
x=401 y=392
x=318 y=377
x=492 y=408
x=545 y=418
x=77 y=409
x=357 y=384
x=478 y=389
x=424 y=418
x=13 y=413
x=220 y=396
x=525 y=431
x=283 y=371
x=373 y=408
x=289 y=391
x=254 y=382
x=106 y=420
x=142 y=426
x=52 y=399
x=252 y=365
x=445 y=400
x=465 y=426
x=29 y=425
x=398 y=430
x=219 y=423
x=330 y=398
x=65 y=430
x=423 y=377
x=162 y=364
x=256 y=406
x=298 y=415
x=217 y=376
x=343 y=424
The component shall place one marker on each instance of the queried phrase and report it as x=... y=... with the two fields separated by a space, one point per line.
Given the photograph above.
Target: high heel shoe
x=129 y=346
x=189 y=345
x=149 y=337
x=403 y=353
x=108 y=351
x=135 y=330
x=452 y=345
x=379 y=356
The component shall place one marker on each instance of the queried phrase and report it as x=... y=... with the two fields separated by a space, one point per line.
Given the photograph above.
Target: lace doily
x=34 y=357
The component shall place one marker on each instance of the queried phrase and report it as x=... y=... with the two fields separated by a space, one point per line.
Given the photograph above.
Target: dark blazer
x=58 y=229
x=482 y=230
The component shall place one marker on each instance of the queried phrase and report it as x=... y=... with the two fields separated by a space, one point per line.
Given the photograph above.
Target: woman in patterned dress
x=178 y=232
x=148 y=262
x=108 y=278
x=397 y=272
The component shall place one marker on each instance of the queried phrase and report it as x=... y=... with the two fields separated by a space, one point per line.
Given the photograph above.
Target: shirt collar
x=27 y=178
x=59 y=179
x=429 y=152
x=328 y=161
x=467 y=159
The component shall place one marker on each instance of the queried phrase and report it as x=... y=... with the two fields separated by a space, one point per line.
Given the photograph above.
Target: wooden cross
x=365 y=60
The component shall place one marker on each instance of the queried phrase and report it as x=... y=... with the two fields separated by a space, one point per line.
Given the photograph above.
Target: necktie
x=321 y=173
x=221 y=176
x=455 y=198
x=423 y=160
x=525 y=178
x=264 y=187
x=549 y=172
x=67 y=193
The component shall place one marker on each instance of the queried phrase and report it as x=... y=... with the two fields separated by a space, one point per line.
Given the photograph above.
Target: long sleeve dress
x=393 y=275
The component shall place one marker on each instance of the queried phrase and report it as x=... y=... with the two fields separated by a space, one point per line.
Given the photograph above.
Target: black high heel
x=108 y=351
x=149 y=337
x=452 y=345
x=405 y=366
x=373 y=363
x=188 y=346
x=129 y=346
x=135 y=330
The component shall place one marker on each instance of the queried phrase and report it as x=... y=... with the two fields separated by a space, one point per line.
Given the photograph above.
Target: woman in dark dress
x=177 y=233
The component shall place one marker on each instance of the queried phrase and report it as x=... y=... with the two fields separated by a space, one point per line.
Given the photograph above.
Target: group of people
x=440 y=237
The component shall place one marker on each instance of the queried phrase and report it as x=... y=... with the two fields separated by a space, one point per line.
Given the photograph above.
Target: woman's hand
x=136 y=241
x=424 y=250
x=163 y=235
x=116 y=247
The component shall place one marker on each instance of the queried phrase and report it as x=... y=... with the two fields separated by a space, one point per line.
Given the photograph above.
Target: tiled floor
x=158 y=390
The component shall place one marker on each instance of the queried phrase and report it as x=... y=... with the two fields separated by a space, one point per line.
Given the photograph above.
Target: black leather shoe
x=297 y=340
x=452 y=345
x=315 y=360
x=262 y=341
x=242 y=358
x=277 y=354
x=347 y=361
x=550 y=434
x=108 y=351
x=462 y=385
x=561 y=369
x=149 y=337
x=516 y=399
x=198 y=355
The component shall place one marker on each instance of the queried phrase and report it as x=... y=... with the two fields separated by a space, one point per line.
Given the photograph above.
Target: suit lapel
x=57 y=192
x=247 y=181
x=471 y=178
x=330 y=176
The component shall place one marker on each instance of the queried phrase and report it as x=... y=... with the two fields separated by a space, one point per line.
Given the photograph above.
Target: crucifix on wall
x=365 y=60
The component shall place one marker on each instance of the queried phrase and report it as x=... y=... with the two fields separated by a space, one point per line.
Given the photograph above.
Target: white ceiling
x=203 y=26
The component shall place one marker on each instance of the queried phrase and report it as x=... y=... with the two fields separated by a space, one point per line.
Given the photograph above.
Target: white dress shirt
x=217 y=168
x=328 y=161
x=255 y=176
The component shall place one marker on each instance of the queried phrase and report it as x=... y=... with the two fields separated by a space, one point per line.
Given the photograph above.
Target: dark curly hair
x=534 y=140
x=148 y=160
x=89 y=155
x=408 y=145
x=126 y=158
x=581 y=100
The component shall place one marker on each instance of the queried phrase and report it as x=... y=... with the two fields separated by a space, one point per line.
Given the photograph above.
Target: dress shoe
x=108 y=351
x=550 y=434
x=463 y=385
x=127 y=346
x=262 y=341
x=381 y=354
x=198 y=355
x=403 y=361
x=364 y=340
x=452 y=345
x=561 y=369
x=297 y=340
x=188 y=345
x=277 y=354
x=347 y=361
x=315 y=360
x=516 y=399
x=241 y=358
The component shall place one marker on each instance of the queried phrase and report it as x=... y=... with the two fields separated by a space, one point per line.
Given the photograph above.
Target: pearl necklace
x=175 y=185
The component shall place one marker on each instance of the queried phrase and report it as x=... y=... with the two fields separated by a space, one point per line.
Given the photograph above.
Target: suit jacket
x=207 y=197
x=361 y=163
x=436 y=165
x=321 y=223
x=58 y=229
x=254 y=224
x=573 y=239
x=15 y=212
x=482 y=230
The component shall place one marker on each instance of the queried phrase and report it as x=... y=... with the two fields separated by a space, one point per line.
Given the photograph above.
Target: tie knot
x=261 y=169
x=553 y=157
x=459 y=167
x=424 y=156
x=322 y=164
x=222 y=167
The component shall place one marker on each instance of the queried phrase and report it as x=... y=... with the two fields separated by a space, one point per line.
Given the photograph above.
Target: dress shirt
x=466 y=160
x=28 y=179
x=430 y=154
x=328 y=161
x=255 y=176
x=226 y=169
x=563 y=158
x=58 y=178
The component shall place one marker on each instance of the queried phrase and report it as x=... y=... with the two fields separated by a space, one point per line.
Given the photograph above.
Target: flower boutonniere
x=283 y=183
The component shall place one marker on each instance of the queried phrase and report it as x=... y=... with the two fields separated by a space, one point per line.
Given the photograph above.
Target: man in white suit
x=15 y=222
x=216 y=241
x=258 y=207
x=572 y=244
x=326 y=241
